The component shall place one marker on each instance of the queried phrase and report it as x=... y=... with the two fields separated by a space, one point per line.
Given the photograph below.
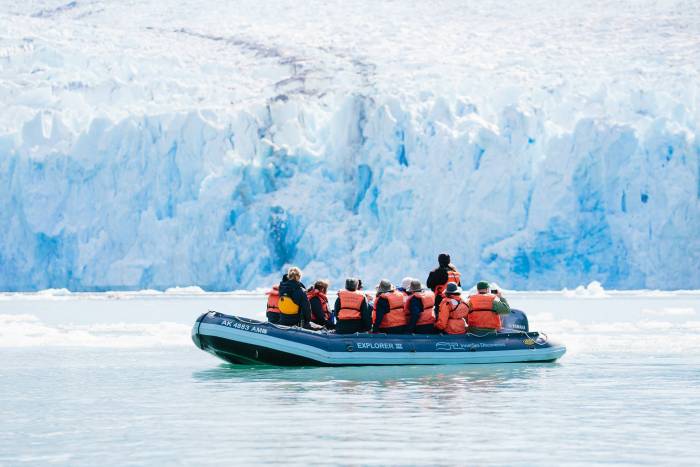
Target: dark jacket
x=349 y=326
x=438 y=276
x=415 y=308
x=317 y=313
x=381 y=308
x=297 y=292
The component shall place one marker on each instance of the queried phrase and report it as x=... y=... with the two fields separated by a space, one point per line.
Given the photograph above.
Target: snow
x=188 y=143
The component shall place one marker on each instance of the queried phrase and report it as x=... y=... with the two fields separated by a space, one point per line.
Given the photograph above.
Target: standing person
x=418 y=305
x=320 y=314
x=485 y=309
x=351 y=311
x=444 y=274
x=273 y=298
x=389 y=315
x=293 y=303
x=453 y=311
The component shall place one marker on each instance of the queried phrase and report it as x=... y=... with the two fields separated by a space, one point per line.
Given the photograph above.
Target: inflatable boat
x=245 y=341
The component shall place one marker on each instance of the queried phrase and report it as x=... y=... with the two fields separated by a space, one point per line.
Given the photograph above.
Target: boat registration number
x=243 y=327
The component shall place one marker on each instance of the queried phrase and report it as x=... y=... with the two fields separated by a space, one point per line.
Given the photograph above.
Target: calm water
x=91 y=379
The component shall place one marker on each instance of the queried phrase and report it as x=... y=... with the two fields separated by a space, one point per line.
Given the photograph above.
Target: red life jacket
x=481 y=314
x=455 y=316
x=273 y=298
x=396 y=315
x=350 y=304
x=452 y=276
x=324 y=303
x=427 y=299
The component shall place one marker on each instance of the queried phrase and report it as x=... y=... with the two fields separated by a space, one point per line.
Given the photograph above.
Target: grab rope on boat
x=540 y=339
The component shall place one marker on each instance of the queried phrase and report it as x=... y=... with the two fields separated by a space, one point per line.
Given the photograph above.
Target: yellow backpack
x=287 y=306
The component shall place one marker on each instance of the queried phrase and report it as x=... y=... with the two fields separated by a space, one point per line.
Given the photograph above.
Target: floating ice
x=191 y=290
x=670 y=312
x=593 y=290
x=27 y=330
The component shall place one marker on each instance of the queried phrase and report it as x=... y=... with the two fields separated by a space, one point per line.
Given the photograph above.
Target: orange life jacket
x=451 y=317
x=396 y=315
x=452 y=276
x=481 y=314
x=273 y=298
x=324 y=303
x=350 y=304
x=427 y=299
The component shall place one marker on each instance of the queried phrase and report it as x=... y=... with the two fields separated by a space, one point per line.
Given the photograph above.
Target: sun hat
x=384 y=286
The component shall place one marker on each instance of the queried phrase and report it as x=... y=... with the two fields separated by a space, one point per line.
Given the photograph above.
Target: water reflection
x=445 y=376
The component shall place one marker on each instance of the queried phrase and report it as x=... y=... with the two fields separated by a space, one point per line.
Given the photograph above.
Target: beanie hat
x=415 y=286
x=453 y=289
x=482 y=285
x=351 y=284
x=384 y=286
x=443 y=259
x=406 y=282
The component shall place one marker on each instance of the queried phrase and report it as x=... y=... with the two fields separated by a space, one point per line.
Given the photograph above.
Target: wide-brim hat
x=453 y=289
x=384 y=286
x=415 y=286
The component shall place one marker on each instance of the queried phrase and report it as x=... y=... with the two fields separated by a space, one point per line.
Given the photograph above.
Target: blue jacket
x=381 y=307
x=415 y=308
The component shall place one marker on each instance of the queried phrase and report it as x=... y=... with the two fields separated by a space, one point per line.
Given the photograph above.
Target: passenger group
x=407 y=309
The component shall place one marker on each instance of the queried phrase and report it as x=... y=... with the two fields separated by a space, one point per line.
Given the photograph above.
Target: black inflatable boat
x=245 y=341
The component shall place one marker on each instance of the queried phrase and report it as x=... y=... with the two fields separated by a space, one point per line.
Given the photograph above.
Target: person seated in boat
x=293 y=303
x=273 y=298
x=368 y=296
x=486 y=308
x=351 y=311
x=418 y=307
x=453 y=311
x=405 y=285
x=445 y=273
x=320 y=314
x=389 y=315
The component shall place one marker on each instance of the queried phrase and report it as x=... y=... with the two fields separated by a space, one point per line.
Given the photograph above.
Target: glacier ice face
x=184 y=144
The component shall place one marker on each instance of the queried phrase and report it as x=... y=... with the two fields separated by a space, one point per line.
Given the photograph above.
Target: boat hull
x=243 y=341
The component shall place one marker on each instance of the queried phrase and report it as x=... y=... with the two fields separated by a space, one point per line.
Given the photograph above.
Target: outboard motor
x=515 y=321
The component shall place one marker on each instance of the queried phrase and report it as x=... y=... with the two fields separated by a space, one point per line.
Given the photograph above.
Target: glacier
x=181 y=143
